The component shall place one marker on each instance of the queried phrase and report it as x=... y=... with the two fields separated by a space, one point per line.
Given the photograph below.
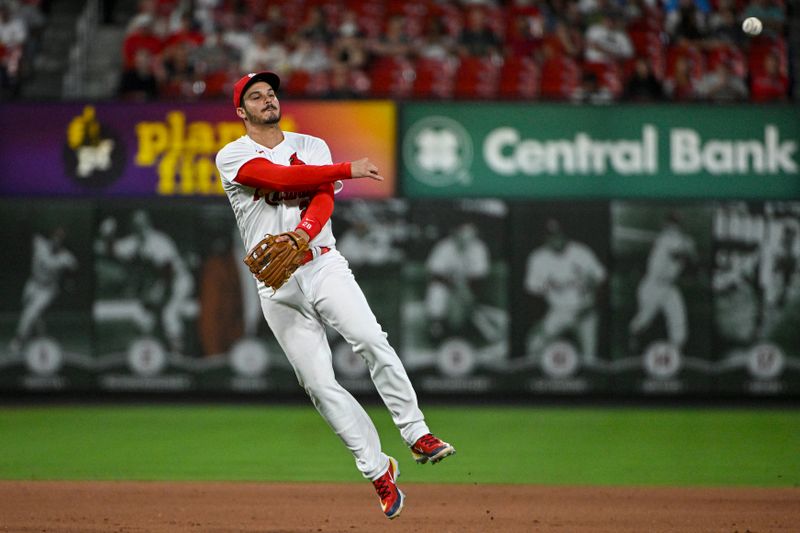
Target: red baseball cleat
x=430 y=448
x=391 y=496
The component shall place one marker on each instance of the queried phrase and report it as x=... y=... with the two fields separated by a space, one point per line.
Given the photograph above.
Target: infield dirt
x=155 y=507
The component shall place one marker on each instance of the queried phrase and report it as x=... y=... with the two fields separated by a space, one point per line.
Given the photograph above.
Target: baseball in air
x=752 y=26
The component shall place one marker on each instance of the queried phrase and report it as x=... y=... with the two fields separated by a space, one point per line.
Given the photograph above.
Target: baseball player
x=455 y=265
x=779 y=273
x=157 y=250
x=49 y=260
x=672 y=250
x=283 y=183
x=566 y=273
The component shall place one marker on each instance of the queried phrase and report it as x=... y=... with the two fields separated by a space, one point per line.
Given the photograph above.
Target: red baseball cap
x=246 y=81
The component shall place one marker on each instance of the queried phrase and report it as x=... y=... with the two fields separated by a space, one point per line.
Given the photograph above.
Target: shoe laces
x=428 y=440
x=384 y=487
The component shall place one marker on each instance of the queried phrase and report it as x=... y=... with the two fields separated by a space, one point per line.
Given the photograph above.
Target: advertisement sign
x=168 y=150
x=518 y=150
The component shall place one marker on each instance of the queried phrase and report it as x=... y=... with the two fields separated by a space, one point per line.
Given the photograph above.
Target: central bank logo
x=438 y=151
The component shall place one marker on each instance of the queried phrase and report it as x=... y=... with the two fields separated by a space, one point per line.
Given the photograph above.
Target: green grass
x=681 y=447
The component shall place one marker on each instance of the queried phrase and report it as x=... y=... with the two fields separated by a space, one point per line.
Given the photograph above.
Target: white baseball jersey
x=261 y=212
x=667 y=257
x=562 y=277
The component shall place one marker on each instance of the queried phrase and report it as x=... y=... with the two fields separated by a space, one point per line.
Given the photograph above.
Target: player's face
x=261 y=105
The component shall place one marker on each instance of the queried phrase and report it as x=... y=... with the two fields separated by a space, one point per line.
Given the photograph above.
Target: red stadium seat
x=477 y=78
x=560 y=77
x=608 y=76
x=519 y=78
x=695 y=58
x=650 y=45
x=729 y=54
x=435 y=78
x=762 y=46
x=392 y=77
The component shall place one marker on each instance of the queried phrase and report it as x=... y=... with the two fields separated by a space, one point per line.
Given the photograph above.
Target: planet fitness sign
x=167 y=150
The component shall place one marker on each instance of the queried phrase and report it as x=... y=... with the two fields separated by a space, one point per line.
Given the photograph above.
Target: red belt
x=310 y=255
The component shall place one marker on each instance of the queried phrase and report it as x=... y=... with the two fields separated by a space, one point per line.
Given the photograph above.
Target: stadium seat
x=561 y=75
x=435 y=78
x=477 y=77
x=519 y=78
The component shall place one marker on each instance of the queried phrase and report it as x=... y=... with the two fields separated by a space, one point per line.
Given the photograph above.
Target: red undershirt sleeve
x=318 y=212
x=260 y=173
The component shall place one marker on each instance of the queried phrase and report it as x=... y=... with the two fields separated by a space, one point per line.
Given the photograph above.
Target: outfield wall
x=625 y=250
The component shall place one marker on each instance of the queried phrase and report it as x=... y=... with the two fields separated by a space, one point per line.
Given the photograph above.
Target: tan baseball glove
x=273 y=261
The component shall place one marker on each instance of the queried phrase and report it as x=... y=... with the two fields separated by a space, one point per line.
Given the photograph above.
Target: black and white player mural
x=661 y=307
x=45 y=311
x=560 y=279
x=756 y=286
x=145 y=305
x=371 y=235
x=455 y=317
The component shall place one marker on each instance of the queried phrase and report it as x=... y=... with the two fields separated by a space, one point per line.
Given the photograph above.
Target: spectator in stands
x=670 y=6
x=140 y=37
x=723 y=26
x=607 y=43
x=435 y=42
x=721 y=85
x=235 y=31
x=591 y=10
x=590 y=91
x=564 y=40
x=30 y=13
x=264 y=54
x=203 y=12
x=146 y=12
x=394 y=42
x=215 y=54
x=275 y=22
x=349 y=26
x=341 y=85
x=477 y=39
x=309 y=56
x=139 y=83
x=187 y=31
x=177 y=74
x=689 y=21
x=314 y=26
x=680 y=86
x=348 y=47
x=525 y=36
x=12 y=40
x=769 y=84
x=770 y=13
x=643 y=86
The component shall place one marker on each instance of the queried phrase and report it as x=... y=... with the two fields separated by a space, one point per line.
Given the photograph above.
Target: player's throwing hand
x=363 y=168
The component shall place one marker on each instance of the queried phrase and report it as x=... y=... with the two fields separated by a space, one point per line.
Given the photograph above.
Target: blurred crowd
x=21 y=24
x=586 y=50
x=576 y=50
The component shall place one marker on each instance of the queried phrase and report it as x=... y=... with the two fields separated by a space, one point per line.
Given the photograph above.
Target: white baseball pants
x=321 y=292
